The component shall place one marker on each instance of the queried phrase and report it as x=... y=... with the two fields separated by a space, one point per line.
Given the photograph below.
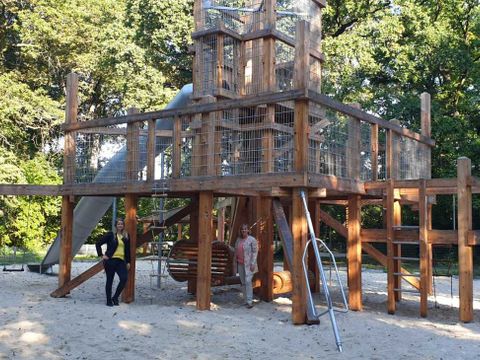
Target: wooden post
x=71 y=110
x=204 y=261
x=128 y=294
x=354 y=253
x=397 y=251
x=302 y=55
x=389 y=213
x=423 y=238
x=465 y=253
x=299 y=232
x=374 y=150
x=264 y=235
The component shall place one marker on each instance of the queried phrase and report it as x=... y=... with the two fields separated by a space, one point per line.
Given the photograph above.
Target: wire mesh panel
x=365 y=151
x=231 y=64
x=289 y=12
x=315 y=78
x=163 y=151
x=382 y=154
x=412 y=162
x=241 y=16
x=101 y=155
x=186 y=147
x=208 y=65
x=284 y=65
x=283 y=137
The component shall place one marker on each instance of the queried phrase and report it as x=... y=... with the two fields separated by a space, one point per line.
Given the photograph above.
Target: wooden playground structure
x=259 y=129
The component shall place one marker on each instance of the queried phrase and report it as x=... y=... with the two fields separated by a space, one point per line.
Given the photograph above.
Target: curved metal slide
x=90 y=209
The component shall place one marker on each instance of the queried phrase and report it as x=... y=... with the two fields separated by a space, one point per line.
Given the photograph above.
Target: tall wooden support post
x=204 y=261
x=397 y=249
x=65 y=261
x=264 y=234
x=314 y=210
x=177 y=148
x=128 y=294
x=389 y=213
x=423 y=238
x=300 y=233
x=465 y=253
x=354 y=253
x=221 y=224
x=299 y=221
x=426 y=128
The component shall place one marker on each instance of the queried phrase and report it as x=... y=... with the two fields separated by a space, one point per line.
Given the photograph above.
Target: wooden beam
x=397 y=250
x=473 y=237
x=389 y=204
x=354 y=254
x=205 y=225
x=353 y=147
x=465 y=253
x=333 y=223
x=25 y=189
x=71 y=111
x=131 y=202
x=177 y=147
x=423 y=237
x=300 y=233
x=133 y=148
x=151 y=141
x=425 y=120
x=374 y=150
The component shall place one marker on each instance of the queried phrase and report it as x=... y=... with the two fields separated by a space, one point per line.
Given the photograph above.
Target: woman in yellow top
x=115 y=260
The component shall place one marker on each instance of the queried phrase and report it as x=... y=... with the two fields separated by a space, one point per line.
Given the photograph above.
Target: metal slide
x=90 y=209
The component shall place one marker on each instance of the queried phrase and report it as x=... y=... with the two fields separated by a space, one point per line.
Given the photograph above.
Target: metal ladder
x=330 y=308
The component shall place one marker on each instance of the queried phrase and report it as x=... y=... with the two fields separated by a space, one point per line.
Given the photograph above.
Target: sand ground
x=164 y=324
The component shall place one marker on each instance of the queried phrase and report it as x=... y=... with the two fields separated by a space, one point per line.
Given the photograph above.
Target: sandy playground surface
x=164 y=324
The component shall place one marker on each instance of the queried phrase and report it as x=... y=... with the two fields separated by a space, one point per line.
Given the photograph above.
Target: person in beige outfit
x=246 y=251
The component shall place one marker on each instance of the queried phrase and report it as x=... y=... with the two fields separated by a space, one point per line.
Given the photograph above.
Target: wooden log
x=131 y=202
x=205 y=225
x=354 y=254
x=465 y=253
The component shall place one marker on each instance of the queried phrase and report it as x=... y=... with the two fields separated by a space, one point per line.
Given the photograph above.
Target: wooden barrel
x=182 y=261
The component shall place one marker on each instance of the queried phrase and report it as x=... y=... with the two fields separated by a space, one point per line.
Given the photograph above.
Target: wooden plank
x=65 y=261
x=177 y=147
x=205 y=225
x=302 y=59
x=299 y=233
x=423 y=237
x=354 y=254
x=397 y=250
x=26 y=189
x=364 y=116
x=465 y=252
x=442 y=237
x=333 y=223
x=330 y=182
x=131 y=202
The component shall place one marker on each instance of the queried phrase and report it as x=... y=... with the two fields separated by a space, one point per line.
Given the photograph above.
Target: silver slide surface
x=90 y=209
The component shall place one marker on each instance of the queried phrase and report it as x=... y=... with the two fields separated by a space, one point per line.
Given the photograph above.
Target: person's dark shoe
x=115 y=302
x=109 y=303
x=249 y=305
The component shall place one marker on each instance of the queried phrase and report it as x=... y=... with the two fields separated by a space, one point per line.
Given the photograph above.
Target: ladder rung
x=406 y=227
x=406 y=275
x=159 y=195
x=407 y=291
x=157 y=227
x=405 y=258
x=406 y=242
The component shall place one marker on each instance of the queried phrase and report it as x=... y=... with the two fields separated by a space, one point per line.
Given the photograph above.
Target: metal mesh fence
x=284 y=64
